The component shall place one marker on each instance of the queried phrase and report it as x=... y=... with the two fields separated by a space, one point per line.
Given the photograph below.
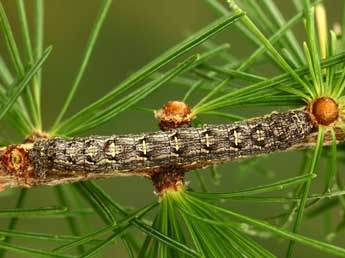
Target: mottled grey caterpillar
x=180 y=149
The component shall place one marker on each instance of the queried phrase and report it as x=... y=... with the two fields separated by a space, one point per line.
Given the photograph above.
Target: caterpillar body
x=181 y=149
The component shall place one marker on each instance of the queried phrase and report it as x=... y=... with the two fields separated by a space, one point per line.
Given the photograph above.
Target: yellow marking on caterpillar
x=112 y=149
x=261 y=135
x=299 y=123
x=176 y=143
x=207 y=142
x=236 y=137
x=144 y=147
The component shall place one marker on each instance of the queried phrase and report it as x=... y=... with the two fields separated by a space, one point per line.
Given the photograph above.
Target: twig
x=17 y=170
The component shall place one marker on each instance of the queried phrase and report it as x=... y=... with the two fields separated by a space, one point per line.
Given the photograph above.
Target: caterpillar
x=179 y=149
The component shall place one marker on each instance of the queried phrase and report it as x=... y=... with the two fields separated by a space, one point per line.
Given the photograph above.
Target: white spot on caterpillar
x=236 y=137
x=144 y=147
x=261 y=135
x=112 y=149
x=299 y=124
x=207 y=141
x=176 y=143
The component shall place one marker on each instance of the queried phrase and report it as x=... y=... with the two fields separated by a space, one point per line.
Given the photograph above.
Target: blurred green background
x=134 y=33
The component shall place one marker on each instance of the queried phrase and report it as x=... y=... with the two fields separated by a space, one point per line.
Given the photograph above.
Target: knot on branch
x=174 y=114
x=15 y=159
x=168 y=180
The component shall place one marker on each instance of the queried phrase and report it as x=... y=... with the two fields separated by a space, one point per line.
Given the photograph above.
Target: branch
x=27 y=178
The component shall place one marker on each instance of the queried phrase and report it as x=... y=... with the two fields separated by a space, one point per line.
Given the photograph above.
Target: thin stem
x=89 y=48
x=305 y=192
x=14 y=221
x=33 y=92
x=277 y=57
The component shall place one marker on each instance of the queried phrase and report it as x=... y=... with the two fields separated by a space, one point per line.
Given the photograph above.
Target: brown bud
x=169 y=180
x=324 y=111
x=173 y=115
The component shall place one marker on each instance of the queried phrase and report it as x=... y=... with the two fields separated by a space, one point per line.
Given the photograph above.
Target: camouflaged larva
x=184 y=148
